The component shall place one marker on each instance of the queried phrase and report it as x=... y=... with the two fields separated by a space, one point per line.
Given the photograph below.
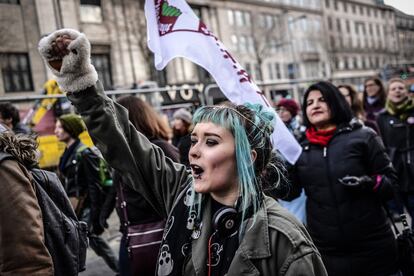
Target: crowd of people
x=201 y=183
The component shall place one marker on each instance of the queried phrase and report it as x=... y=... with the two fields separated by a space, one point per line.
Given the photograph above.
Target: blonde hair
x=392 y=80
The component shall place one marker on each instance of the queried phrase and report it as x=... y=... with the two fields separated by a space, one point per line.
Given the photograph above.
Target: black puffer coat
x=398 y=137
x=348 y=227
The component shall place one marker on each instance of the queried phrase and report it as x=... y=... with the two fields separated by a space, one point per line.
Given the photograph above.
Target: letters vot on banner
x=175 y=31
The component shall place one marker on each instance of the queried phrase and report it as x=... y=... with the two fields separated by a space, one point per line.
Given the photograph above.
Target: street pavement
x=95 y=265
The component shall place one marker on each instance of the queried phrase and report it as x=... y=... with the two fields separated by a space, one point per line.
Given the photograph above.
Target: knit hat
x=290 y=105
x=184 y=115
x=73 y=124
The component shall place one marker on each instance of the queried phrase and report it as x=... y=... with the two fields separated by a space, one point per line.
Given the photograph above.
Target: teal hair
x=251 y=127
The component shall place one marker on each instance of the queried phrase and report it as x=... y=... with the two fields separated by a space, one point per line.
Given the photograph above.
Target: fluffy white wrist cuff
x=77 y=73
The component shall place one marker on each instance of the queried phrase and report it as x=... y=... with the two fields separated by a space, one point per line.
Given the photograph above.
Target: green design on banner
x=168 y=10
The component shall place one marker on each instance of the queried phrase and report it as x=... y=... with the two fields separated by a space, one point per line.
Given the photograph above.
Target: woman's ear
x=253 y=155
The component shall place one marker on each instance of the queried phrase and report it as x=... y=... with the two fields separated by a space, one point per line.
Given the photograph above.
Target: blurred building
x=272 y=39
x=405 y=34
x=362 y=37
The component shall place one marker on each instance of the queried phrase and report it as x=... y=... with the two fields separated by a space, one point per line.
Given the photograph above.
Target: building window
x=338 y=24
x=16 y=2
x=353 y=8
x=335 y=5
x=258 y=72
x=15 y=69
x=327 y=3
x=348 y=28
x=90 y=11
x=355 y=63
x=368 y=11
x=278 y=72
x=329 y=23
x=345 y=7
x=102 y=64
x=332 y=40
x=242 y=18
x=270 y=71
x=361 y=10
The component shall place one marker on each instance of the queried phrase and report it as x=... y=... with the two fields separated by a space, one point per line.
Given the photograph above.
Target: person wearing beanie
x=181 y=133
x=72 y=124
x=79 y=170
x=184 y=115
x=287 y=110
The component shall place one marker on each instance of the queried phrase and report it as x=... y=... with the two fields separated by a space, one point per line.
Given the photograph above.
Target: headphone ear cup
x=225 y=221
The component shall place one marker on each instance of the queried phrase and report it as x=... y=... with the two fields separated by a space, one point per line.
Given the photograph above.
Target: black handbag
x=142 y=242
x=405 y=244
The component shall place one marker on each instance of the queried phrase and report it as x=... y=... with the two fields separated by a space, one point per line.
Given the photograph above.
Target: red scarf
x=319 y=137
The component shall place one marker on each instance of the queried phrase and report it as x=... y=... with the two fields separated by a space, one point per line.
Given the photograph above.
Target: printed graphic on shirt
x=165 y=262
x=215 y=250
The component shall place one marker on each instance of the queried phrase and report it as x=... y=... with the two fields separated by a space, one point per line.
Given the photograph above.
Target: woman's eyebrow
x=212 y=134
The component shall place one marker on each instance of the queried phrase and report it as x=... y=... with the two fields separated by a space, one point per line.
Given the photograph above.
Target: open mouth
x=197 y=171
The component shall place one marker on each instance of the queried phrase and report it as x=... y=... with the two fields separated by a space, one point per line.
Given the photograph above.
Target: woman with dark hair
x=219 y=222
x=138 y=210
x=346 y=174
x=396 y=125
x=373 y=98
x=351 y=97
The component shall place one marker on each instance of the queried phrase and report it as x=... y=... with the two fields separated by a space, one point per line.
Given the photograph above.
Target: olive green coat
x=275 y=244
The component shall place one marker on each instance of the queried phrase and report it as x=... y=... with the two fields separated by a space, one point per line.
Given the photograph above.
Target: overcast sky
x=407 y=6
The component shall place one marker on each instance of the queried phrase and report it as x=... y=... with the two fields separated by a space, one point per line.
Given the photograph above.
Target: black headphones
x=226 y=221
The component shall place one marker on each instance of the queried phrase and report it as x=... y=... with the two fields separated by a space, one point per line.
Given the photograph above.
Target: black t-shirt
x=221 y=248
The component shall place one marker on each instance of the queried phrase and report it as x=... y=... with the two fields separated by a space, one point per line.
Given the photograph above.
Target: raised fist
x=67 y=53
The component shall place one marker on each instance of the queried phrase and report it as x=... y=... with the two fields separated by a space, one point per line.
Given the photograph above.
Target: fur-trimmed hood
x=21 y=147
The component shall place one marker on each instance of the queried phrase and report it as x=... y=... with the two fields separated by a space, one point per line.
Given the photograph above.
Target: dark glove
x=97 y=228
x=363 y=182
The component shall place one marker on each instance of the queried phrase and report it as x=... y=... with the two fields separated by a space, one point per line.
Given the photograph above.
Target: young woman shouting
x=218 y=220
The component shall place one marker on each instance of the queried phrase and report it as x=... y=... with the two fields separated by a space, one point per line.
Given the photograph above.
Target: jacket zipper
x=331 y=184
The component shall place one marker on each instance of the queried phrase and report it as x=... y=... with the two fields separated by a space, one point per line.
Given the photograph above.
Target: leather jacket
x=79 y=172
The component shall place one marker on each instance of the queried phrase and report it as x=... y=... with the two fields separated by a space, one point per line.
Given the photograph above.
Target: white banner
x=175 y=31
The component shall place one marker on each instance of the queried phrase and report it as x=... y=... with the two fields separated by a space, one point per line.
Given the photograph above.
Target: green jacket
x=276 y=244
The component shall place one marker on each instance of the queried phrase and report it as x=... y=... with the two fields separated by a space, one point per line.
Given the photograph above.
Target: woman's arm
x=380 y=167
x=156 y=177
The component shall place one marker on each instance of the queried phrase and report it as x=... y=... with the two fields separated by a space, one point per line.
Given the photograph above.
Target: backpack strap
x=78 y=155
x=81 y=149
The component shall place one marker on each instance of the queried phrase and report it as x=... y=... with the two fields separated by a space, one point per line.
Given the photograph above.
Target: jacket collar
x=256 y=243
